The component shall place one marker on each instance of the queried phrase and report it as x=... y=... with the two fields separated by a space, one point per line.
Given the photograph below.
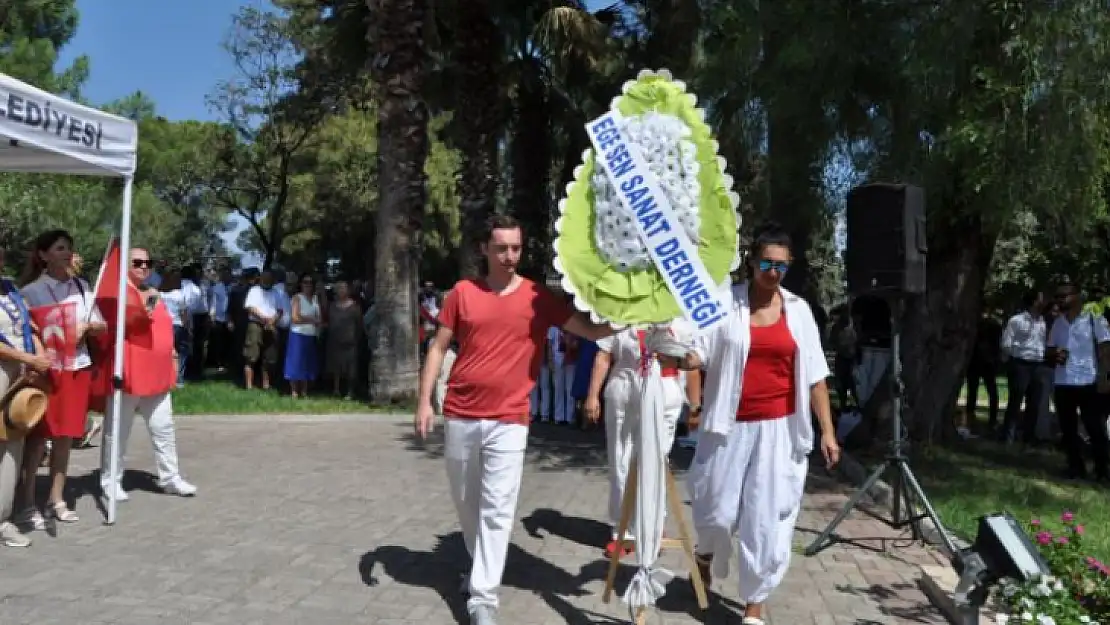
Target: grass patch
x=973 y=478
x=224 y=397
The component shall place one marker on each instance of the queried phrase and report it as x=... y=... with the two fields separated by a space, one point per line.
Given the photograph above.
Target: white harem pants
x=749 y=485
x=622 y=431
x=485 y=461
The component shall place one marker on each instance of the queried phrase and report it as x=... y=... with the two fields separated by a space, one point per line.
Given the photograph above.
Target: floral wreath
x=599 y=254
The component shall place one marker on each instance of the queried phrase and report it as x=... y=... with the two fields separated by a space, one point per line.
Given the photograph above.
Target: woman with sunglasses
x=765 y=372
x=50 y=280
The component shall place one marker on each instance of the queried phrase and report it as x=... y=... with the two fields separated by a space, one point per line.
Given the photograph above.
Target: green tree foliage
x=32 y=32
x=271 y=123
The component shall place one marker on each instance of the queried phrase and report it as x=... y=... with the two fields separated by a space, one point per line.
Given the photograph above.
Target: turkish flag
x=102 y=346
x=58 y=327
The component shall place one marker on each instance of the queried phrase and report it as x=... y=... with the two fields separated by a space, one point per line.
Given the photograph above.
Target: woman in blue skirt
x=301 y=360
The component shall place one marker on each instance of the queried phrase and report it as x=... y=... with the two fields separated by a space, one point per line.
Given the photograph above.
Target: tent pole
x=117 y=362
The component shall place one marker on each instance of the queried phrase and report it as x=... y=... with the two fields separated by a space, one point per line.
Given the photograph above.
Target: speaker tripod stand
x=907 y=490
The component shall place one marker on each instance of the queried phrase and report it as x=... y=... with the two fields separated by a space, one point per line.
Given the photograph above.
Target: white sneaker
x=482 y=615
x=121 y=495
x=10 y=536
x=178 y=486
x=31 y=520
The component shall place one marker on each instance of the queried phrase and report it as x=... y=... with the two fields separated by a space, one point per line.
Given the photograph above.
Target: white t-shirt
x=310 y=309
x=1081 y=368
x=177 y=303
x=47 y=291
x=194 y=298
x=265 y=301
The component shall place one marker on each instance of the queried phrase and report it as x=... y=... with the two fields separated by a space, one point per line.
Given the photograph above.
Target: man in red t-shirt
x=499 y=323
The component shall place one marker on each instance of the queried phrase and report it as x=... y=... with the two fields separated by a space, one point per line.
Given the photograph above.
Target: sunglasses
x=140 y=263
x=780 y=266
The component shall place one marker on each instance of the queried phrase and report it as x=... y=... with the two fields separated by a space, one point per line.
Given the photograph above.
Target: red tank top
x=768 y=378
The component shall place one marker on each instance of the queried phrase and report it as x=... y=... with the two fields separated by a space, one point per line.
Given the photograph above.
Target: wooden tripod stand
x=684 y=542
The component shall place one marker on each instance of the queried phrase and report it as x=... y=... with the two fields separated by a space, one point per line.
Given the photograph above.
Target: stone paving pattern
x=342 y=520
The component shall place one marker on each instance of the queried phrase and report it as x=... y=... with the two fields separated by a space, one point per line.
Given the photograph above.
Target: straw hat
x=21 y=409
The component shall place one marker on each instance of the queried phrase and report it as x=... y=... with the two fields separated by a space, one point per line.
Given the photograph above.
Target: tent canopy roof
x=40 y=132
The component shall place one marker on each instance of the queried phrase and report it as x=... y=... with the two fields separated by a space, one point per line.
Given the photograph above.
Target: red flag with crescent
x=58 y=328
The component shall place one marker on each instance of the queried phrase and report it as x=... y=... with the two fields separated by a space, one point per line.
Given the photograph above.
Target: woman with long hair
x=301 y=359
x=50 y=280
x=765 y=374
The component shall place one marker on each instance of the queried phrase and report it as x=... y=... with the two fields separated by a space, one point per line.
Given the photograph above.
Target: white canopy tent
x=42 y=133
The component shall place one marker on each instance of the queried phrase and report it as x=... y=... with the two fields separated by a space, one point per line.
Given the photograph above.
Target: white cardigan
x=724 y=351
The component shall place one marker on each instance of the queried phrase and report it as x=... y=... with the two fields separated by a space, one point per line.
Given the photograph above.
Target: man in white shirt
x=1074 y=343
x=219 y=336
x=1027 y=376
x=260 y=346
x=196 y=307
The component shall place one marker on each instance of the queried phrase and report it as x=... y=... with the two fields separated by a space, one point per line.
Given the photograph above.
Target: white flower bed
x=672 y=157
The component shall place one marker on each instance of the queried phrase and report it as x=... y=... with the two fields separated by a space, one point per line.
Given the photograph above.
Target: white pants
x=564 y=384
x=11 y=456
x=485 y=460
x=748 y=484
x=158 y=412
x=541 y=394
x=622 y=429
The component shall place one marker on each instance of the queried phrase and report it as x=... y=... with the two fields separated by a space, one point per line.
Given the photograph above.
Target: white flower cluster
x=1045 y=588
x=672 y=157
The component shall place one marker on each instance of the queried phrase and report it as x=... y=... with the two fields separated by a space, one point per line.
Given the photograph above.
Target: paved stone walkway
x=328 y=521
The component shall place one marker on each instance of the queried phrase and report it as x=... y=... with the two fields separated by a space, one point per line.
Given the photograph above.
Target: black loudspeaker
x=886 y=239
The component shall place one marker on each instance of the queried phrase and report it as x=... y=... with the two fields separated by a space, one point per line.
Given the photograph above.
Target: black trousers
x=195 y=368
x=1075 y=403
x=221 y=345
x=1028 y=382
x=988 y=373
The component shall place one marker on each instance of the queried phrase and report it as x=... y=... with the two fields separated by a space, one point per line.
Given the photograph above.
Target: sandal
x=60 y=512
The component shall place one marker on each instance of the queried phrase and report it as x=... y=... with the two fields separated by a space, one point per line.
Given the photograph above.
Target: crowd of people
x=56 y=343
x=761 y=373
x=1054 y=352
x=269 y=329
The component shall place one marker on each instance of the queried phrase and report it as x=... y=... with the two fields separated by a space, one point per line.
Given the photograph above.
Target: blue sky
x=168 y=49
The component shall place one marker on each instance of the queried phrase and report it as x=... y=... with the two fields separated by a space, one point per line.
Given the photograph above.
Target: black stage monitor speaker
x=886 y=239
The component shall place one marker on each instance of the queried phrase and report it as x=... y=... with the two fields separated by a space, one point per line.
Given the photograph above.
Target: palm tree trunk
x=479 y=119
x=531 y=171
x=399 y=69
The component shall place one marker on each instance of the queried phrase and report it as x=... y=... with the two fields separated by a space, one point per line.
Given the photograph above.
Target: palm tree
x=399 y=67
x=480 y=120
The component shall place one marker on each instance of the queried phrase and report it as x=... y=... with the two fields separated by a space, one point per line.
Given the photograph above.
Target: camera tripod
x=907 y=490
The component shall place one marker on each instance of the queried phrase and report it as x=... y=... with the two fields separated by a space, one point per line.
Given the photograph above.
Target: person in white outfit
x=621 y=358
x=765 y=372
x=499 y=323
x=149 y=376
